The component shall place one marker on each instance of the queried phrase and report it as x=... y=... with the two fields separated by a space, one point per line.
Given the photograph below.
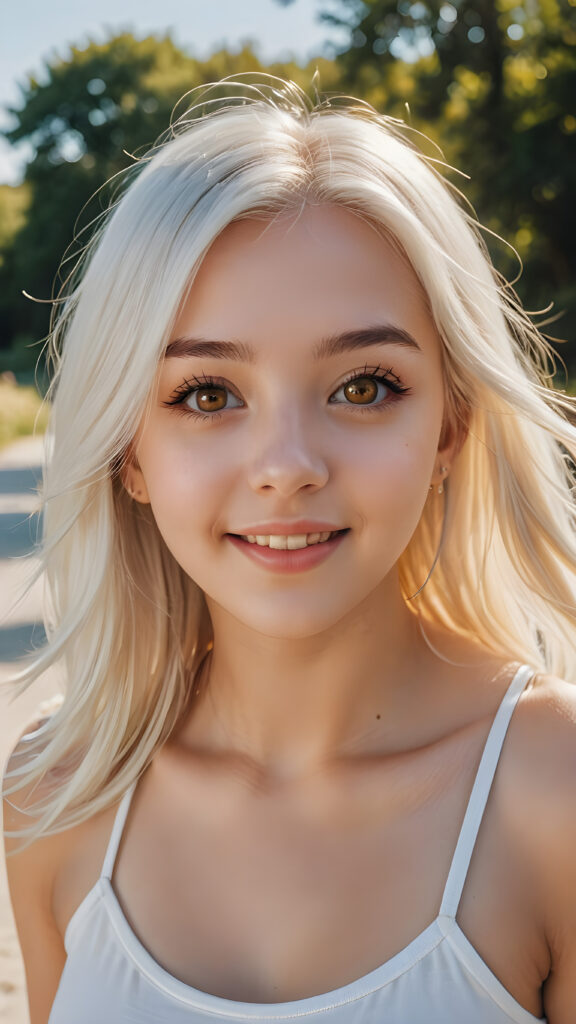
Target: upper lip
x=299 y=526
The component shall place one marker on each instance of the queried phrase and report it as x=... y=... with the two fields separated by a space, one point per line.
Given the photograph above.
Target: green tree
x=86 y=116
x=494 y=82
x=14 y=203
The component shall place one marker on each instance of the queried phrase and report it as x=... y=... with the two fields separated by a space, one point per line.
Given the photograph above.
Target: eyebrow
x=334 y=345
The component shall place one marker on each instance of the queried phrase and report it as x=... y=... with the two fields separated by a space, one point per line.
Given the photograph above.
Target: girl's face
x=301 y=396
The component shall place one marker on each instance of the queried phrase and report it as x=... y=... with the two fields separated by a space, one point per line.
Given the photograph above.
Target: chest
x=261 y=900
x=265 y=910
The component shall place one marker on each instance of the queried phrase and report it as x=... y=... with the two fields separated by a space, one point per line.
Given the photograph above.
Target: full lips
x=286 y=561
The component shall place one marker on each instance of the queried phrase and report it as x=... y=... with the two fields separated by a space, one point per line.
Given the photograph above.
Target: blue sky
x=37 y=29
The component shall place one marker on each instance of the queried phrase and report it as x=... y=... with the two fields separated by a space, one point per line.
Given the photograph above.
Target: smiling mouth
x=291 y=541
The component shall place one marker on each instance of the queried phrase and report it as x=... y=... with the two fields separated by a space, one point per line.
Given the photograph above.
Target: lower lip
x=287 y=561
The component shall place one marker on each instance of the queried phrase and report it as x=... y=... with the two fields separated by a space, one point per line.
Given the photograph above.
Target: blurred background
x=493 y=82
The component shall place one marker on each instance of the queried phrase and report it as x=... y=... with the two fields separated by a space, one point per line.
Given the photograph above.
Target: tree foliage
x=86 y=116
x=494 y=82
x=14 y=203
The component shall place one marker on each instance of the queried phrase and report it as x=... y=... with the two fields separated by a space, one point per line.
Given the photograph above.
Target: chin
x=289 y=624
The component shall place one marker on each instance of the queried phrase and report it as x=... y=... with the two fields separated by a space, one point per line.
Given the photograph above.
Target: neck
x=292 y=705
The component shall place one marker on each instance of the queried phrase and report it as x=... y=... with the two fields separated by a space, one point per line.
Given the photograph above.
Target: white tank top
x=439 y=978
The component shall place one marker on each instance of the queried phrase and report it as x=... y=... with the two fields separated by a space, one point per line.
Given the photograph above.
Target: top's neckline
x=398 y=964
x=441 y=929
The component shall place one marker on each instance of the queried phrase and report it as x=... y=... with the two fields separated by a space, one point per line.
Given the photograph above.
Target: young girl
x=310 y=551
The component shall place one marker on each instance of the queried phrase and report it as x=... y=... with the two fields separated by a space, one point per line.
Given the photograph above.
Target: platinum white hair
x=126 y=622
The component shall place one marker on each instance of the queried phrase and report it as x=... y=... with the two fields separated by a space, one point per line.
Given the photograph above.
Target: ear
x=133 y=479
x=452 y=438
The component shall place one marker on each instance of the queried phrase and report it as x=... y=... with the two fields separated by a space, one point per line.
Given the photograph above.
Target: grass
x=21 y=412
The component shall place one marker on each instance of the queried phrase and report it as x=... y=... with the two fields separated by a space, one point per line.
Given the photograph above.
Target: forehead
x=306 y=275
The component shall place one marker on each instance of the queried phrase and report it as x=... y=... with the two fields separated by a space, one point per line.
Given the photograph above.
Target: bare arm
x=560 y=987
x=30 y=881
x=554 y=840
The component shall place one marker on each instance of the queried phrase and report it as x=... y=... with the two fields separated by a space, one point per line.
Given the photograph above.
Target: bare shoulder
x=540 y=754
x=540 y=801
x=544 y=728
x=18 y=810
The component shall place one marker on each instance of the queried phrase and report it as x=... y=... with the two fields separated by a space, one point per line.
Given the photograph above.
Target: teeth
x=288 y=542
x=279 y=542
x=294 y=541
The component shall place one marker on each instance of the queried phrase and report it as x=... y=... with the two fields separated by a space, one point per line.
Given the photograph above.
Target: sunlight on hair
x=128 y=625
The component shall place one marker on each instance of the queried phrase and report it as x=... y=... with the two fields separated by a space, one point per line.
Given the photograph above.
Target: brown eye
x=204 y=398
x=361 y=391
x=211 y=399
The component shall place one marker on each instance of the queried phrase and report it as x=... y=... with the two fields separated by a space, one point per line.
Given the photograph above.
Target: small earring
x=443 y=469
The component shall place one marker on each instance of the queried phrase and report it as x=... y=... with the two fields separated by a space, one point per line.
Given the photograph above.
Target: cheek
x=396 y=463
x=181 y=476
x=389 y=481
x=187 y=489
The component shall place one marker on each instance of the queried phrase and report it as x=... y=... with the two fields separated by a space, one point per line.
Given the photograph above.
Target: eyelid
x=196 y=383
x=384 y=376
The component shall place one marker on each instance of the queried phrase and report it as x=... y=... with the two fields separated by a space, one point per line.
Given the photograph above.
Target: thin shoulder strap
x=116 y=834
x=480 y=792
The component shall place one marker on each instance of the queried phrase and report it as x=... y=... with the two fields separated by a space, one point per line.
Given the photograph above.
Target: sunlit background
x=493 y=83
x=40 y=32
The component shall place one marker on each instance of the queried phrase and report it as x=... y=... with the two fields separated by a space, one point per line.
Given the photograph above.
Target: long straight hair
x=128 y=625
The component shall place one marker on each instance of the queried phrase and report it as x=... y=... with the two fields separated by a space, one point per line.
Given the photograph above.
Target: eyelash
x=188 y=387
x=387 y=377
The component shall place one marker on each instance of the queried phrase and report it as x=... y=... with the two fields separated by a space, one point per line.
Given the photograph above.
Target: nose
x=286 y=457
